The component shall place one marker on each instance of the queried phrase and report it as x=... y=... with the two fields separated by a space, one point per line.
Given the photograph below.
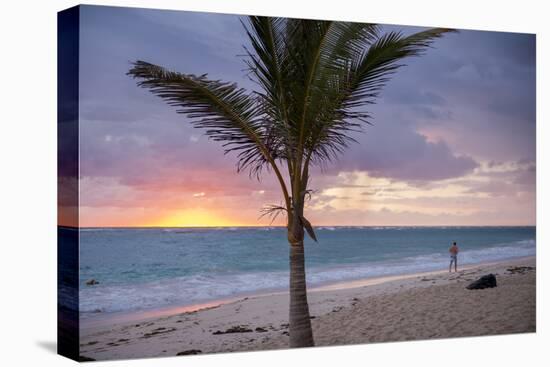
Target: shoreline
x=428 y=305
x=116 y=318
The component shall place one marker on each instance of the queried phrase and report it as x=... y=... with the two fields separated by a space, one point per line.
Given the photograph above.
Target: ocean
x=140 y=269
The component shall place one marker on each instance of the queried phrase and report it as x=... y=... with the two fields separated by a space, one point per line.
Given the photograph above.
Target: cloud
x=385 y=216
x=397 y=152
x=476 y=198
x=414 y=97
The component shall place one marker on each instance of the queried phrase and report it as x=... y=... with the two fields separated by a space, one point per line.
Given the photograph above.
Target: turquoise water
x=143 y=269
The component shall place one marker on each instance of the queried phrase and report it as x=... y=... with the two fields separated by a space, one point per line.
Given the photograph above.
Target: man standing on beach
x=454 y=252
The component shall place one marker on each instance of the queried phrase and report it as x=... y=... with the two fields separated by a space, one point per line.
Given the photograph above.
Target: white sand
x=421 y=306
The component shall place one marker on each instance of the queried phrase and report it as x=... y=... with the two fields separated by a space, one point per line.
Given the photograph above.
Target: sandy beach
x=412 y=307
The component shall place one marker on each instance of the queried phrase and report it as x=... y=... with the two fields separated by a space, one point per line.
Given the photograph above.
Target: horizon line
x=319 y=226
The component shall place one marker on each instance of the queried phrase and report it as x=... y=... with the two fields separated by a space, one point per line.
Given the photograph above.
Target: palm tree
x=315 y=80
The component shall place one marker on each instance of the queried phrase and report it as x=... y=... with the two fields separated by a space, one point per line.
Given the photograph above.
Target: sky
x=452 y=140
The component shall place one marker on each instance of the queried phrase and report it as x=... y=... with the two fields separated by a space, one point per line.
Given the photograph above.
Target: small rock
x=486 y=281
x=189 y=352
x=92 y=282
x=233 y=329
x=261 y=330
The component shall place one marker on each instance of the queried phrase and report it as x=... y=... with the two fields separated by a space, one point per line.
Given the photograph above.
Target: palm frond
x=272 y=211
x=309 y=228
x=314 y=57
x=381 y=60
x=227 y=113
x=266 y=64
x=343 y=105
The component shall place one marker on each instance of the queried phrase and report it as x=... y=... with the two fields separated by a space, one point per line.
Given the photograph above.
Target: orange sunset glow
x=349 y=198
x=199 y=218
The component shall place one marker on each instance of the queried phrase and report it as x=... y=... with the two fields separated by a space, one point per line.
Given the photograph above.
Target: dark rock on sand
x=234 y=329
x=92 y=282
x=486 y=281
x=260 y=330
x=189 y=352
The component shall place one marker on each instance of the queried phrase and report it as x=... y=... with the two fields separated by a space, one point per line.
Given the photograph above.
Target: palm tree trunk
x=300 y=331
